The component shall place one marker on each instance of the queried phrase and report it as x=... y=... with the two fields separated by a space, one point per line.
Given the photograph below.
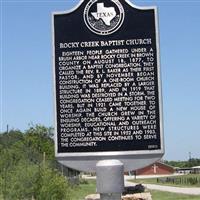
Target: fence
x=180 y=180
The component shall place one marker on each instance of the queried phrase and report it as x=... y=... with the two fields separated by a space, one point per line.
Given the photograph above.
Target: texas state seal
x=103 y=17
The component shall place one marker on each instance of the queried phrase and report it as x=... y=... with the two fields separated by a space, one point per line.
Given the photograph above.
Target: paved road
x=179 y=190
x=189 y=191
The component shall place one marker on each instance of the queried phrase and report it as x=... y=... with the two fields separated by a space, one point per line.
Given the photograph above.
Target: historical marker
x=107 y=84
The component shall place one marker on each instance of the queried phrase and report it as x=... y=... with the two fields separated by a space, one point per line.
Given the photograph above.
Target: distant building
x=184 y=170
x=188 y=170
x=157 y=168
x=196 y=170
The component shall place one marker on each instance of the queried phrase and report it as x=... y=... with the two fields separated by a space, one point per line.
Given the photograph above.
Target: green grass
x=183 y=178
x=83 y=190
x=157 y=195
x=79 y=192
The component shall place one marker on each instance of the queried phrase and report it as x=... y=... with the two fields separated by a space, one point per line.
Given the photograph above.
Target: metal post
x=110 y=179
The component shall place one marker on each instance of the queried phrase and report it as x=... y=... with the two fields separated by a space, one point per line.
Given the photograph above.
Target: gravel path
x=189 y=191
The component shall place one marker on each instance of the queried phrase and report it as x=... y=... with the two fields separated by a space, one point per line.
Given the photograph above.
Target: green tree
x=22 y=182
x=54 y=186
x=184 y=164
x=36 y=181
x=24 y=170
x=39 y=139
x=8 y=139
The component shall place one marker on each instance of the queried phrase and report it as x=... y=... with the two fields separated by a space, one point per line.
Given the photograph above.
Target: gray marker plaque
x=107 y=84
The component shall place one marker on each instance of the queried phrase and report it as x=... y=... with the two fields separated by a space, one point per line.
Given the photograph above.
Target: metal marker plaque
x=107 y=84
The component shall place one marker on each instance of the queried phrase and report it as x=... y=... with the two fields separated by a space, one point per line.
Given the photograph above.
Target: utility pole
x=7 y=128
x=190 y=156
x=190 y=159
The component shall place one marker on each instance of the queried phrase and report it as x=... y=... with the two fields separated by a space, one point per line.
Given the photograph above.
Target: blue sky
x=26 y=68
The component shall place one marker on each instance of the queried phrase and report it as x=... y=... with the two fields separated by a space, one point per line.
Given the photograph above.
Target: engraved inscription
x=107 y=95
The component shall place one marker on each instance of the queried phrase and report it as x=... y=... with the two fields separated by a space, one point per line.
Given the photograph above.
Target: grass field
x=79 y=193
x=157 y=195
x=179 y=181
x=84 y=189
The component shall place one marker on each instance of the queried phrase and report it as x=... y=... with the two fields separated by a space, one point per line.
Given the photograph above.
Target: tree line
x=192 y=162
x=28 y=169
